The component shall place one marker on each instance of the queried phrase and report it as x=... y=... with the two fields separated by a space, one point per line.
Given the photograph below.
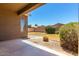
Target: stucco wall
x=30 y=29
x=9 y=25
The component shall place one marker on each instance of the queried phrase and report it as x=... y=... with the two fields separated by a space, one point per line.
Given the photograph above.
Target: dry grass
x=50 y=36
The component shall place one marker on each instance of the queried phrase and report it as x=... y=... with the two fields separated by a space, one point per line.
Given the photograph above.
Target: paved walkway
x=19 y=48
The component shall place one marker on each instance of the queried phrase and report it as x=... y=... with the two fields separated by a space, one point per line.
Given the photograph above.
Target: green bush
x=50 y=30
x=69 y=37
x=57 y=30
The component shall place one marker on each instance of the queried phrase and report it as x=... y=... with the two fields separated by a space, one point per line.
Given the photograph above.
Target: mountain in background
x=58 y=25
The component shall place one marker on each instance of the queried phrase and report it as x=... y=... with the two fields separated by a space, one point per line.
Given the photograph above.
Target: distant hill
x=58 y=25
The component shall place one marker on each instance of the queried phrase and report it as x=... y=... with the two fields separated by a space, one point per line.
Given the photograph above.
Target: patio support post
x=25 y=28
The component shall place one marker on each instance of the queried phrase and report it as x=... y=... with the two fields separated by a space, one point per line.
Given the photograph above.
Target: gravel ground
x=52 y=44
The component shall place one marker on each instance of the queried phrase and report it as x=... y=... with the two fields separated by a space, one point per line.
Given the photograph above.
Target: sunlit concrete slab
x=19 y=48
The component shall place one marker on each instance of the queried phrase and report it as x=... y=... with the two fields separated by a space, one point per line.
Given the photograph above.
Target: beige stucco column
x=25 y=28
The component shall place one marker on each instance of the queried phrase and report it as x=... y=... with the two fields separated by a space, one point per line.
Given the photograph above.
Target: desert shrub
x=50 y=30
x=45 y=39
x=57 y=32
x=69 y=37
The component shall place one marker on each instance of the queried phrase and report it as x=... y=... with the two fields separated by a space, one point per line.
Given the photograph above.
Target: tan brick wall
x=40 y=29
x=9 y=25
x=30 y=29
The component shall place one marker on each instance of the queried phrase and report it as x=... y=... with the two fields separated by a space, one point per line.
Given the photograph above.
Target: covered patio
x=10 y=17
x=11 y=36
x=19 y=48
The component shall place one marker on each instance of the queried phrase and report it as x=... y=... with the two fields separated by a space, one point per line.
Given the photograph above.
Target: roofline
x=28 y=8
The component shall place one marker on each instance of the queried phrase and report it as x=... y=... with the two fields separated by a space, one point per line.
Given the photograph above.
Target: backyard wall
x=40 y=29
x=30 y=29
x=9 y=25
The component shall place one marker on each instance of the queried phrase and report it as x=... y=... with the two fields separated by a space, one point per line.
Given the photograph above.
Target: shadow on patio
x=19 y=48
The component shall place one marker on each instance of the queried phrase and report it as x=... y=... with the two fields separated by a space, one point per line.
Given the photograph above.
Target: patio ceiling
x=19 y=8
x=12 y=6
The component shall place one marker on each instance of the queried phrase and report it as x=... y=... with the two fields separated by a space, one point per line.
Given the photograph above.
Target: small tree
x=50 y=30
x=36 y=25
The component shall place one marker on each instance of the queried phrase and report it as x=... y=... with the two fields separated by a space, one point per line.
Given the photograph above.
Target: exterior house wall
x=39 y=29
x=9 y=25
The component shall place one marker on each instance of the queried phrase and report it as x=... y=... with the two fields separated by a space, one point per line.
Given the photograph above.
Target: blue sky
x=52 y=13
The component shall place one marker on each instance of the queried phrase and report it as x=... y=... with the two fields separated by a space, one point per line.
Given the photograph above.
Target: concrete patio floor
x=19 y=48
